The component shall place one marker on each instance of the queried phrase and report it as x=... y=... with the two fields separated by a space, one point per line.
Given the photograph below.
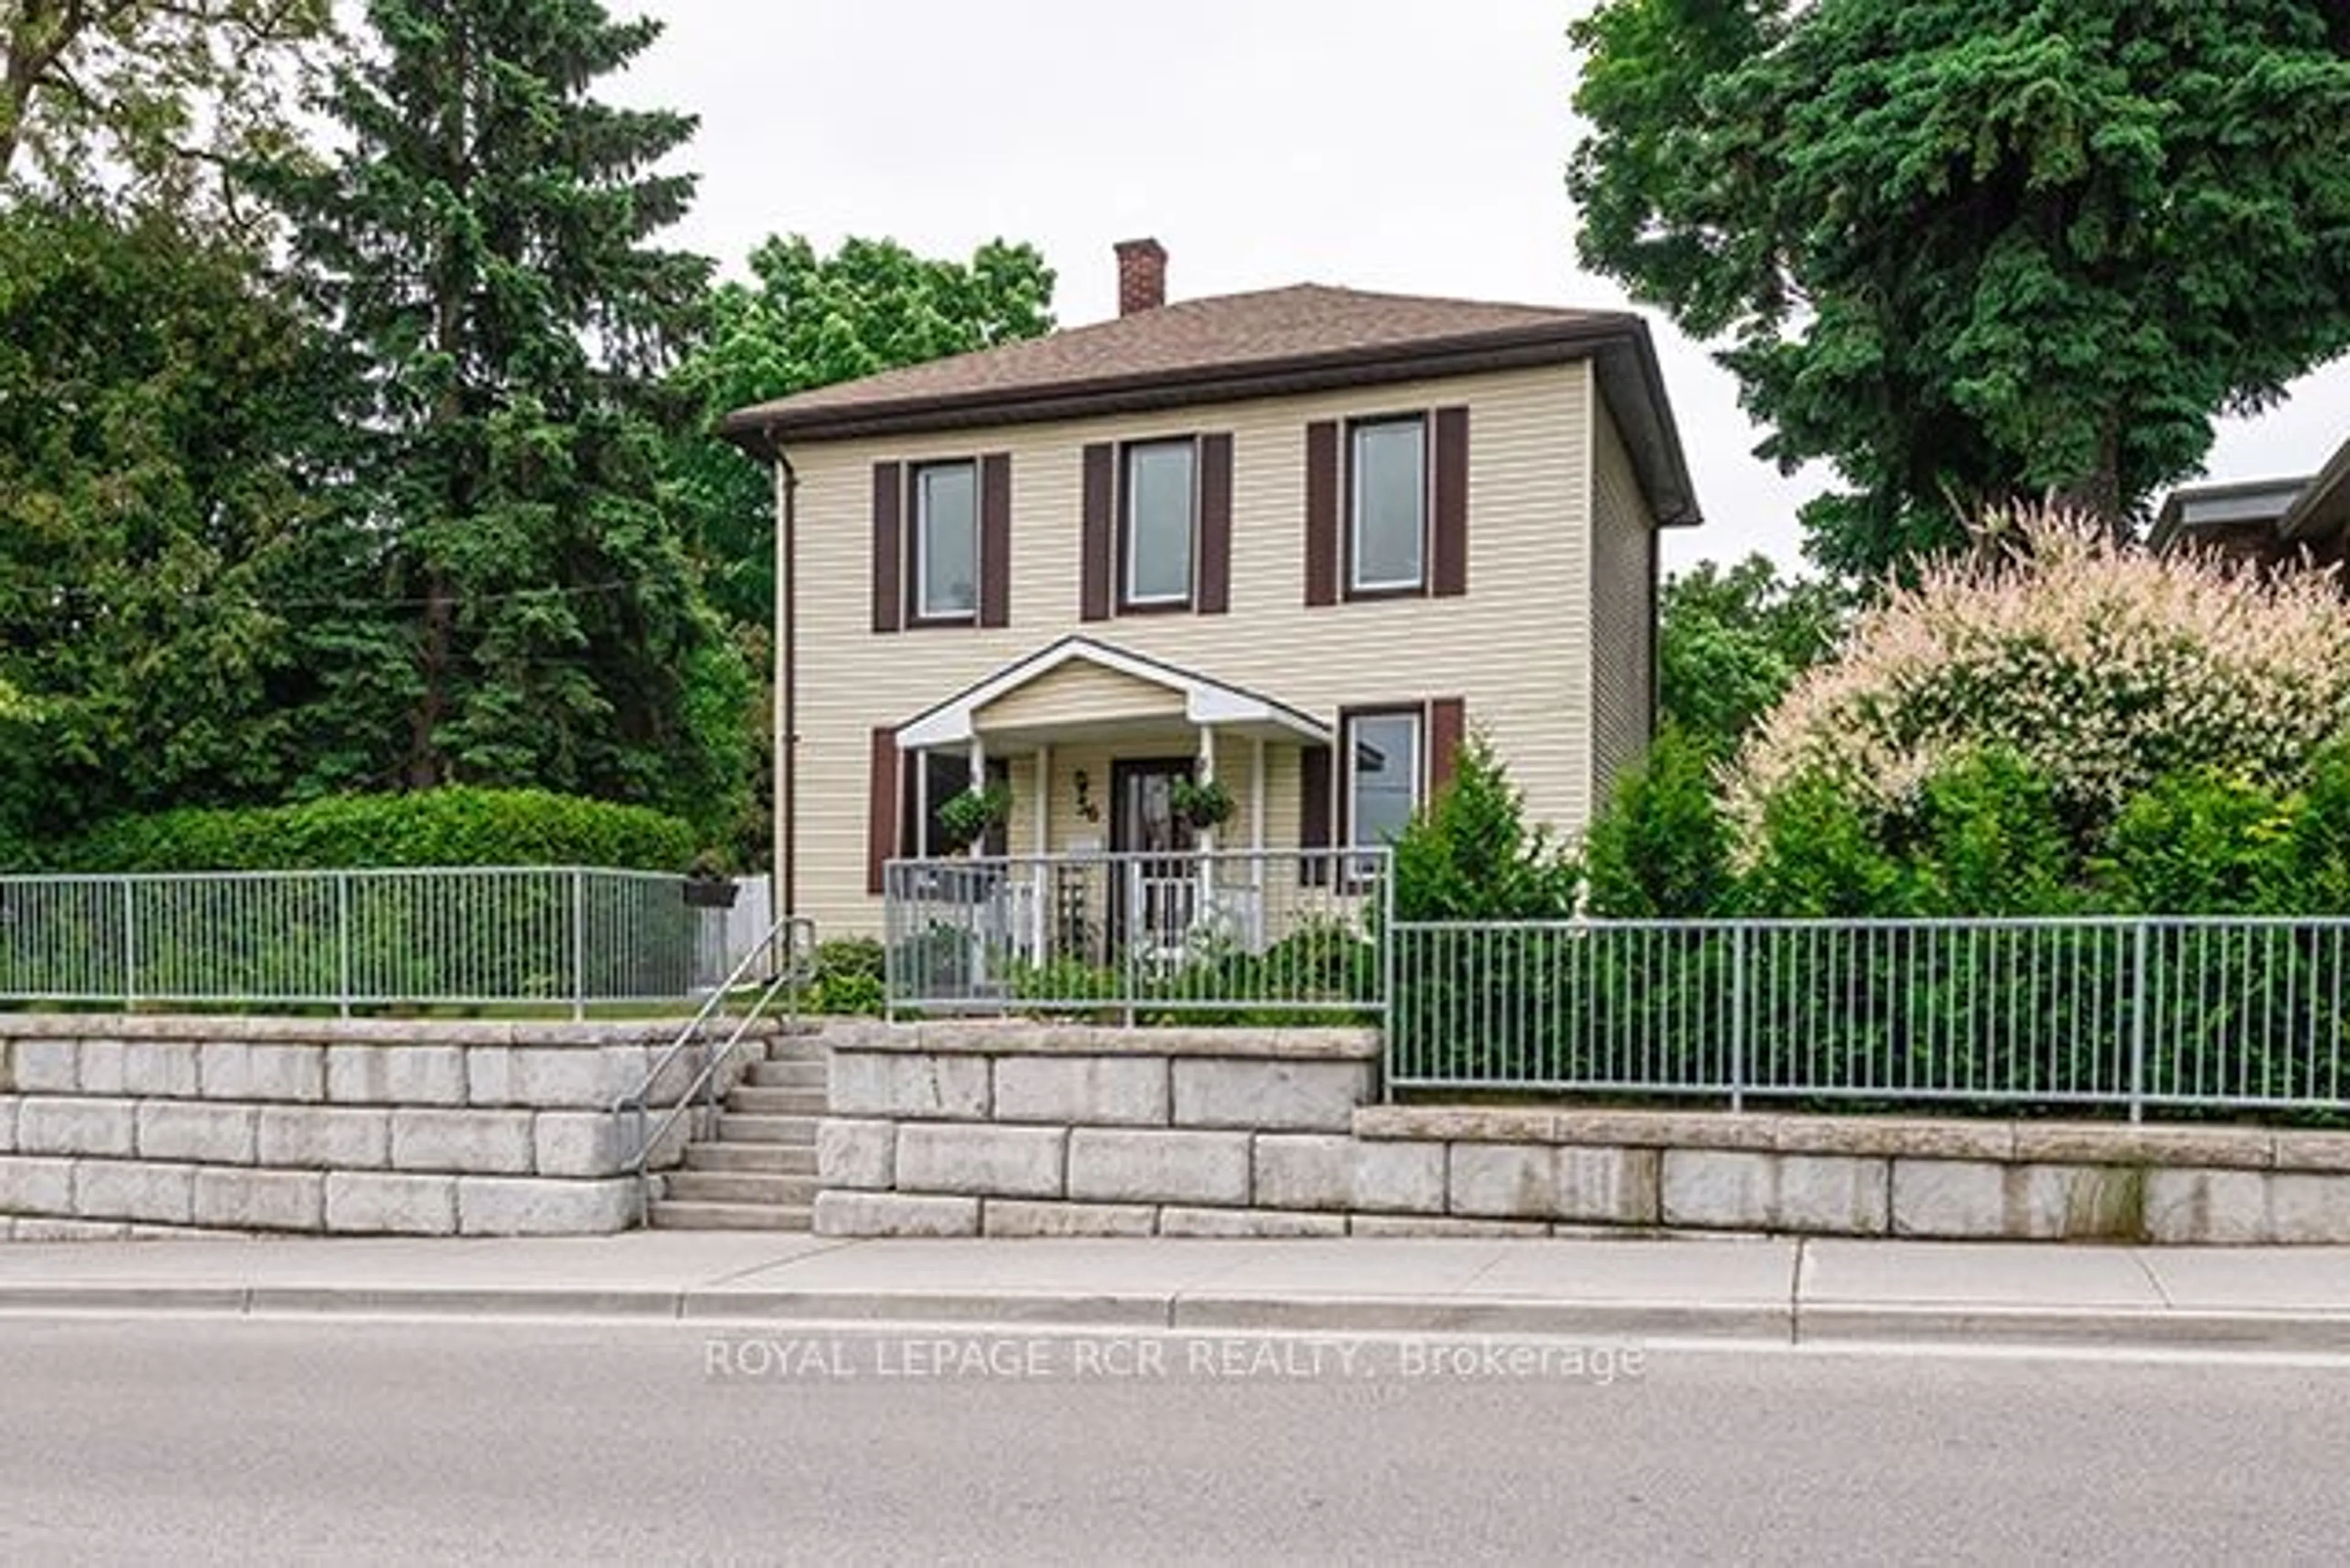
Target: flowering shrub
x=2099 y=667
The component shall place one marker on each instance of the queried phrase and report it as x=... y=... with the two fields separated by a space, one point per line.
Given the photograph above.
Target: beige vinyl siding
x=1623 y=583
x=1077 y=692
x=1514 y=649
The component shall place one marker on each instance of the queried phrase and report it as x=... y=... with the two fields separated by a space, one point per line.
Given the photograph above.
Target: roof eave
x=2324 y=499
x=1620 y=344
x=1633 y=385
x=1206 y=383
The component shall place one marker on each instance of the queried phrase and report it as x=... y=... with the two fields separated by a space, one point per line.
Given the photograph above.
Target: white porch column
x=1256 y=843
x=1205 y=905
x=979 y=782
x=920 y=761
x=1256 y=794
x=1207 y=771
x=1040 y=880
x=1044 y=808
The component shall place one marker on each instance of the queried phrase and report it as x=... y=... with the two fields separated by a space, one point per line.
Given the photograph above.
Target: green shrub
x=456 y=826
x=1661 y=849
x=2201 y=842
x=1472 y=856
x=1817 y=856
x=848 y=979
x=2321 y=836
x=1986 y=837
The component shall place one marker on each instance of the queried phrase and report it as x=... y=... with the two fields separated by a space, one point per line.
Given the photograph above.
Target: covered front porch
x=1141 y=816
x=1092 y=741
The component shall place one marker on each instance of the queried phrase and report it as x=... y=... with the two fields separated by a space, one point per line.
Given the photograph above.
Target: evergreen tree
x=485 y=245
x=1973 y=251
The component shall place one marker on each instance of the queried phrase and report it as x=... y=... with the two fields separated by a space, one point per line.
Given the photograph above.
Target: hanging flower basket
x=707 y=885
x=1203 y=805
x=967 y=818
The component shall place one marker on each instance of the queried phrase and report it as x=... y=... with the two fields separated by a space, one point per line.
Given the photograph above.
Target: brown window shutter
x=882 y=825
x=1313 y=803
x=1448 y=719
x=1215 y=596
x=1322 y=513
x=1095 y=571
x=1450 y=575
x=888 y=545
x=995 y=539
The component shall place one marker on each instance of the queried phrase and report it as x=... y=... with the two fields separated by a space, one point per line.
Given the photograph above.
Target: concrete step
x=775 y=1159
x=757 y=1100
x=802 y=1047
x=671 y=1216
x=788 y=1074
x=734 y=1186
x=799 y=1131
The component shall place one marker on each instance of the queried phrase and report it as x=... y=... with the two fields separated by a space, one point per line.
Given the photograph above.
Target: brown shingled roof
x=1229 y=332
x=1238 y=345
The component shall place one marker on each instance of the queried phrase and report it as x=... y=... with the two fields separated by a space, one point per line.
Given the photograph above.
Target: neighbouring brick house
x=1299 y=540
x=2265 y=520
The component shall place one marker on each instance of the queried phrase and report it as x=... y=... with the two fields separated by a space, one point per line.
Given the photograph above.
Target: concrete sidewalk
x=1764 y=1290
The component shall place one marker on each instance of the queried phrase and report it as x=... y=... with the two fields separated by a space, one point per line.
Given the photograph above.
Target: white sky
x=1387 y=144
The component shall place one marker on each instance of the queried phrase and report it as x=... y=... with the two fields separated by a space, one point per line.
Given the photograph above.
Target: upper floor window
x=1160 y=524
x=1388 y=532
x=946 y=541
x=1157 y=526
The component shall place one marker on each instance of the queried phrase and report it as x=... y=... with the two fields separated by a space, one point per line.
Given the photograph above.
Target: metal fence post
x=1387 y=977
x=1129 y=875
x=1738 y=1018
x=893 y=973
x=343 y=941
x=129 y=943
x=2137 y=1025
x=578 y=942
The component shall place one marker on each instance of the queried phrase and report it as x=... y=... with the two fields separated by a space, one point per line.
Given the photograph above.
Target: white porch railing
x=1239 y=930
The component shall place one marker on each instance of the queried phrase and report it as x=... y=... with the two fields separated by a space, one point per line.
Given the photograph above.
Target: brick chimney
x=1142 y=275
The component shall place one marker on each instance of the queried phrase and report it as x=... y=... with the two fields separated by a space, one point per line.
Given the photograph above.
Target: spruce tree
x=485 y=245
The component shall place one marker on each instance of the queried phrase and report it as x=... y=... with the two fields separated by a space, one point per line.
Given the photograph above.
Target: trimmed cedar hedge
x=454 y=826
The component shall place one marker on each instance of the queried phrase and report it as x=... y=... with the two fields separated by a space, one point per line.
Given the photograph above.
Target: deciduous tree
x=1732 y=640
x=149 y=95
x=808 y=321
x=167 y=537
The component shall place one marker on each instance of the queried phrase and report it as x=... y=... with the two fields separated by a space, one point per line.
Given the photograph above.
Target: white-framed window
x=1383 y=774
x=946 y=541
x=1388 y=532
x=1160 y=529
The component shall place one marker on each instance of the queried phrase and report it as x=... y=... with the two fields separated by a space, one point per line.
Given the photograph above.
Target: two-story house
x=1299 y=541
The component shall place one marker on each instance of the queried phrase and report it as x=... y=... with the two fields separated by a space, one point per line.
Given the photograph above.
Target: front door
x=1151 y=904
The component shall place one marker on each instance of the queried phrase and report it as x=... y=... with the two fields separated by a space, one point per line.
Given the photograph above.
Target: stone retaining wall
x=115 y=1126
x=1014 y=1129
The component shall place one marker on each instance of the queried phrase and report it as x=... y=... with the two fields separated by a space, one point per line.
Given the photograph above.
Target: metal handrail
x=788 y=929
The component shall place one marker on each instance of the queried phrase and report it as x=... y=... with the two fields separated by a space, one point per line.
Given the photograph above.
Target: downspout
x=787 y=681
x=1655 y=624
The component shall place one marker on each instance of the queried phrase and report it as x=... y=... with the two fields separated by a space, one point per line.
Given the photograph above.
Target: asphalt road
x=189 y=1439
